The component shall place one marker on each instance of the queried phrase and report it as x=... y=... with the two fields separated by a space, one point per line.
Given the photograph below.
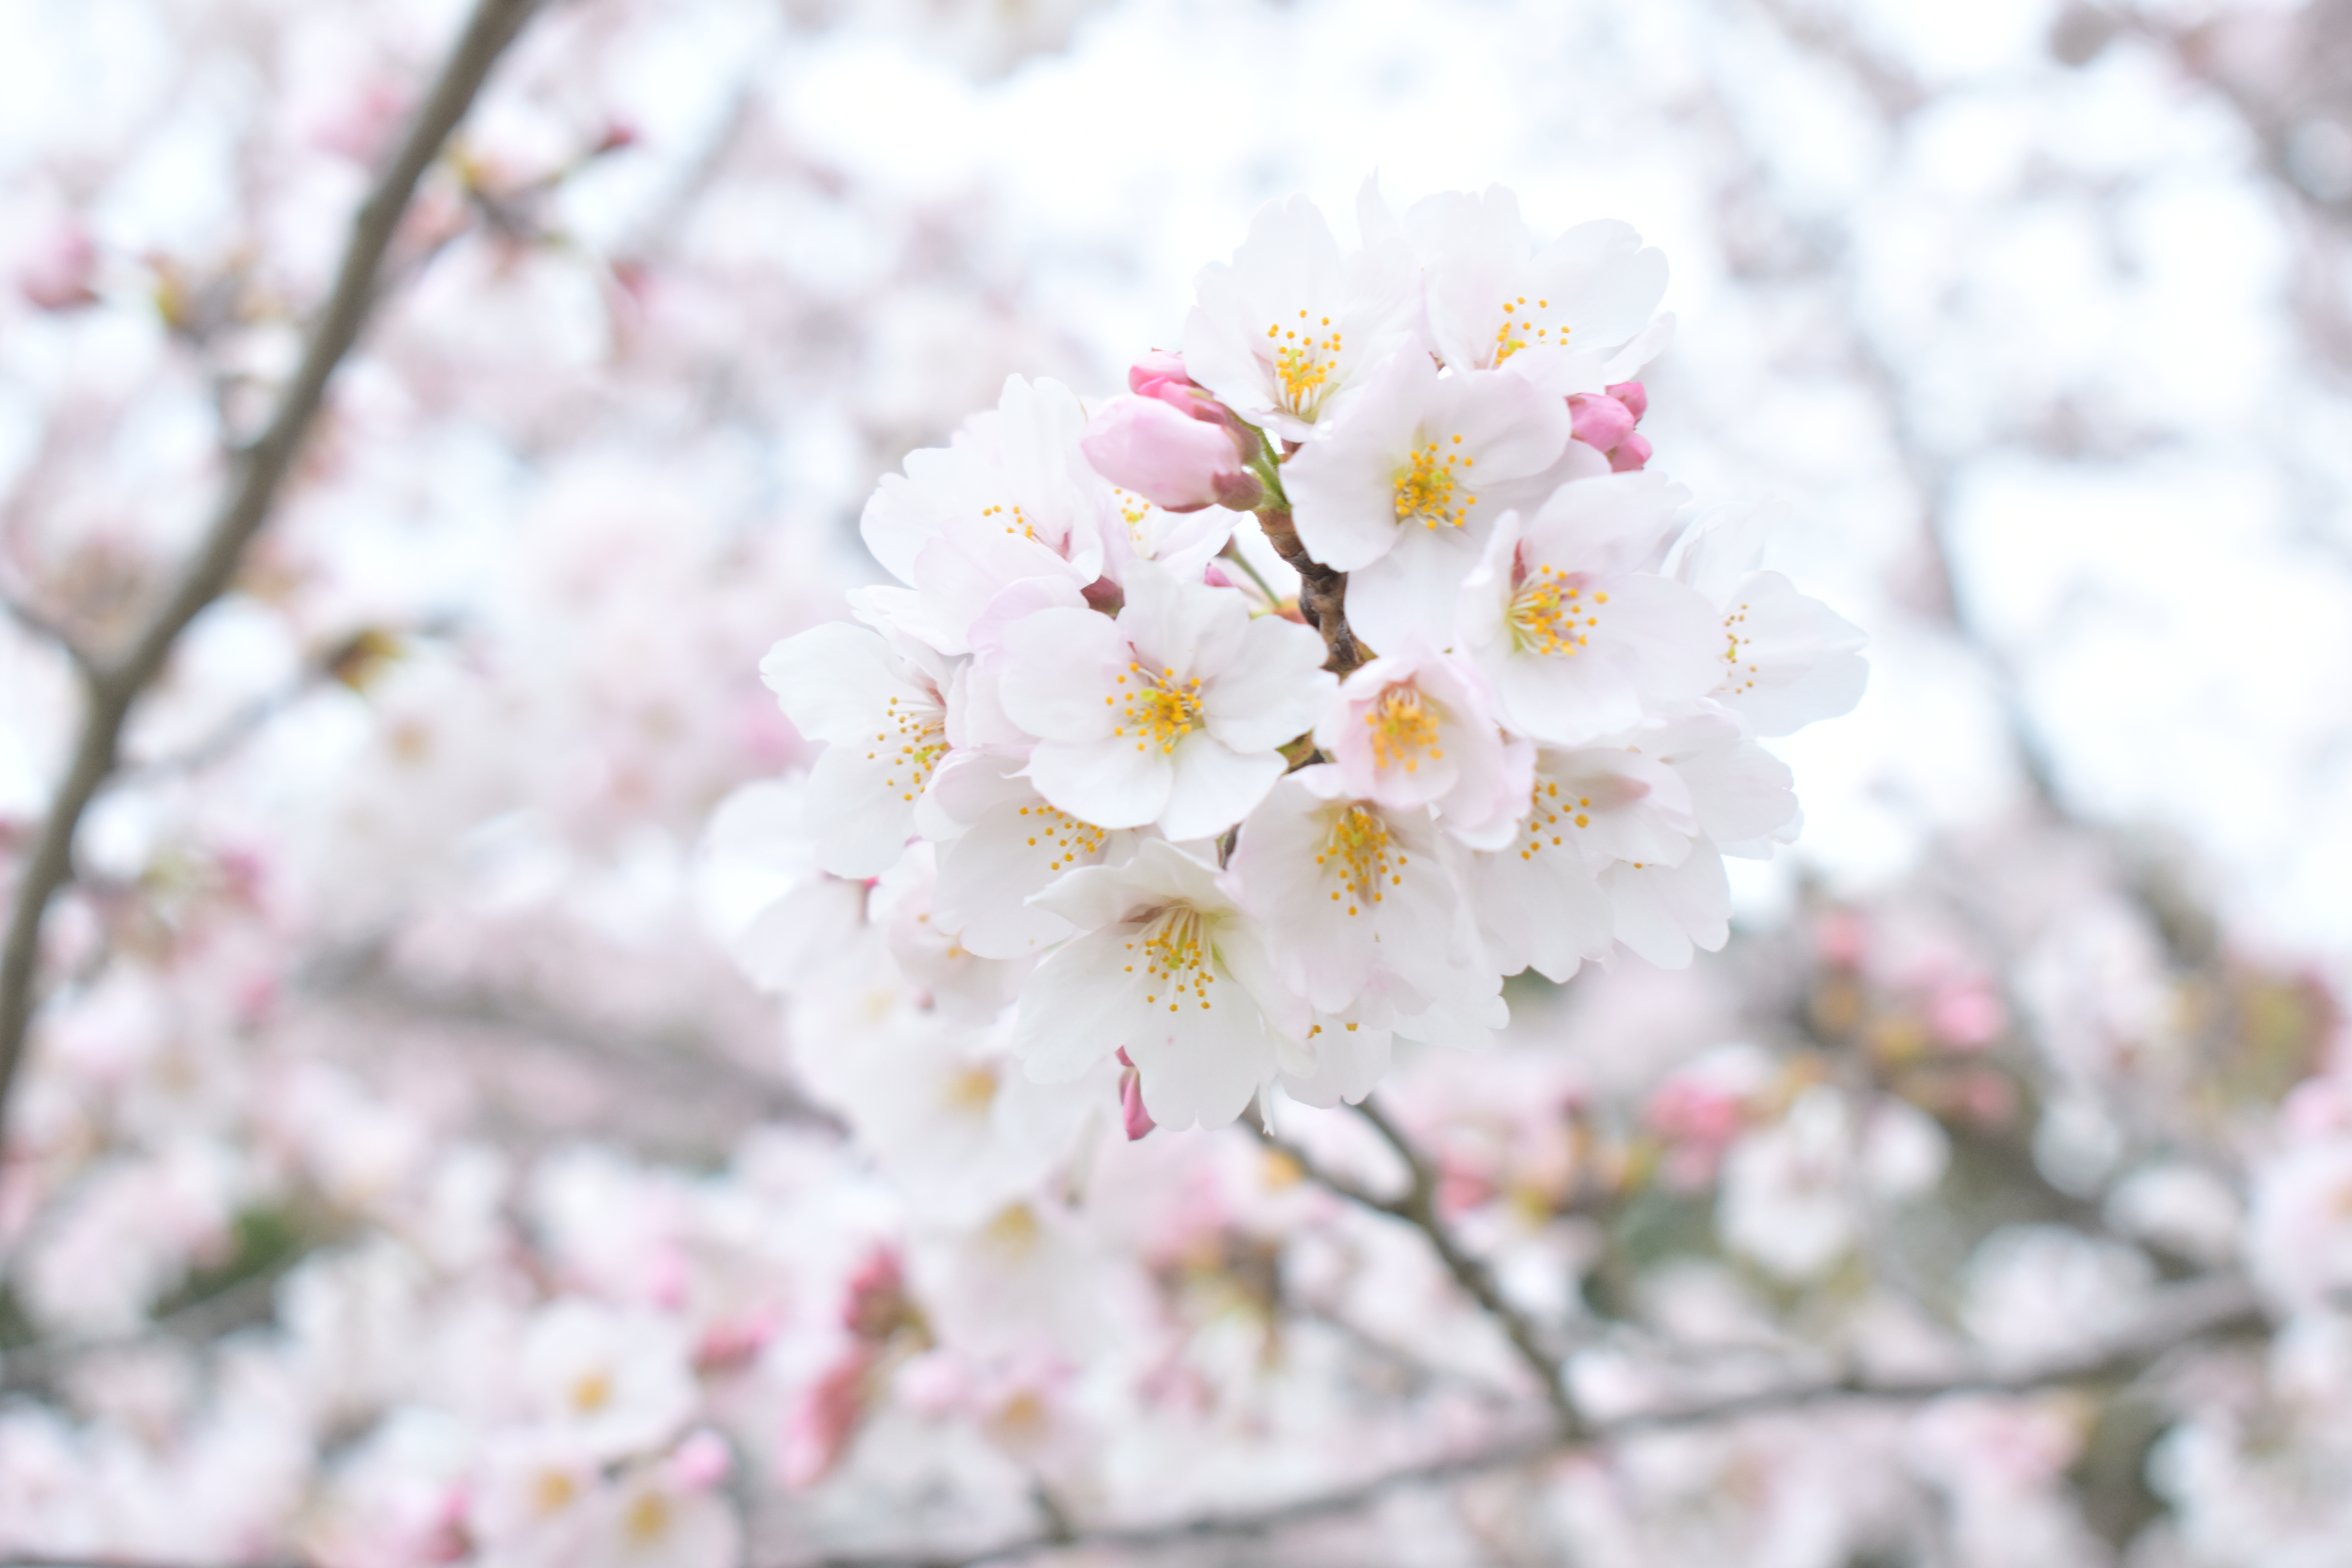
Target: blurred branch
x=2185 y=1315
x=668 y=1059
x=35 y=1367
x=47 y=630
x=1418 y=1208
x=348 y=663
x=113 y=688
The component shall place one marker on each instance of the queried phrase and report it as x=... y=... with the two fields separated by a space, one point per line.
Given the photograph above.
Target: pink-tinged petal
x=1742 y=792
x=1342 y=485
x=1631 y=455
x=987 y=875
x=1188 y=627
x=1563 y=701
x=1608 y=524
x=1540 y=905
x=1116 y=782
x=1270 y=694
x=1214 y=786
x=1133 y=1117
x=1018 y=600
x=1492 y=821
x=1664 y=911
x=1661 y=635
x=857 y=811
x=1616 y=284
x=1200 y=1066
x=831 y=681
x=1515 y=429
x=1412 y=593
x=1058 y=666
x=1073 y=1006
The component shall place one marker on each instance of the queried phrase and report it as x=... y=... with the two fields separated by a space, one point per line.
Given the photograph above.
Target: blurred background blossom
x=408 y=1167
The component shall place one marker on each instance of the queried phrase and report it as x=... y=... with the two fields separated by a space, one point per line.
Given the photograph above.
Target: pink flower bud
x=1159 y=367
x=1130 y=1099
x=58 y=273
x=699 y=1463
x=1634 y=396
x=1143 y=445
x=1631 y=454
x=1601 y=421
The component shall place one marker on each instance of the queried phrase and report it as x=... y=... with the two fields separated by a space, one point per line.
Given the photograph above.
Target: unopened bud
x=1159 y=368
x=699 y=1463
x=1630 y=455
x=1633 y=396
x=1143 y=445
x=1601 y=421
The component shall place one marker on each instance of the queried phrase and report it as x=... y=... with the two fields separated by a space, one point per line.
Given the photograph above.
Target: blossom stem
x=1322 y=593
x=112 y=687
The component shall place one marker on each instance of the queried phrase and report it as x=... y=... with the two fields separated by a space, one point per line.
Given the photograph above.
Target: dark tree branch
x=114 y=687
x=1322 y=593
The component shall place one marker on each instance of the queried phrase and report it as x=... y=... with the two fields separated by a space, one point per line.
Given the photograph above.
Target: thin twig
x=46 y=629
x=1420 y=1210
x=112 y=689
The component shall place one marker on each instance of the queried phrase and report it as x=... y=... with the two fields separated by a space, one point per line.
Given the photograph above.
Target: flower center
x=920 y=739
x=1358 y=851
x=591 y=1393
x=1066 y=838
x=1550 y=613
x=1015 y=522
x=1158 y=707
x=1519 y=328
x=648 y=1517
x=1303 y=363
x=1545 y=812
x=1736 y=639
x=1176 y=956
x=1425 y=485
x=1404 y=729
x=972 y=1089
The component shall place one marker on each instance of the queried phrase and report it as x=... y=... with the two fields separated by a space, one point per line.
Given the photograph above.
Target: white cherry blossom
x=1013 y=471
x=1415 y=729
x=1346 y=889
x=1402 y=492
x=1495 y=294
x=1169 y=969
x=879 y=703
x=1285 y=333
x=1782 y=660
x=1576 y=638
x=1171 y=715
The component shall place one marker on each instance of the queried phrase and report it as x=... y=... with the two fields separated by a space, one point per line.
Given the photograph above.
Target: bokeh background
x=405 y=916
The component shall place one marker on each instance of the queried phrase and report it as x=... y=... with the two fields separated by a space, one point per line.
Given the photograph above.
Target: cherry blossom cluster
x=1234 y=836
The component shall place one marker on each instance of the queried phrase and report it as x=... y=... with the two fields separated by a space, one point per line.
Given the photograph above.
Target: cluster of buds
x=1232 y=836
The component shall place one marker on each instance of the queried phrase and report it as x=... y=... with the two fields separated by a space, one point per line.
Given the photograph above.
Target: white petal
x=1116 y=782
x=1214 y=786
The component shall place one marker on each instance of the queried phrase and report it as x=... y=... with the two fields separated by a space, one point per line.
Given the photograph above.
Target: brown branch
x=1322 y=593
x=1420 y=1210
x=2190 y=1313
x=113 y=688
